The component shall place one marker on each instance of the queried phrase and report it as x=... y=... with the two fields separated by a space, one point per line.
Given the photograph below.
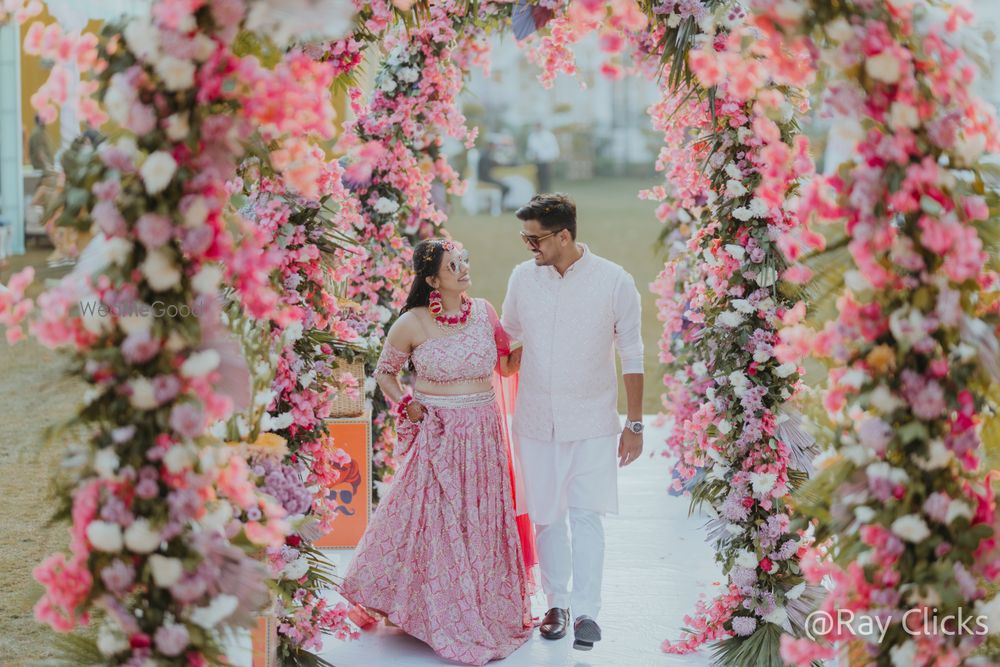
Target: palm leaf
x=761 y=649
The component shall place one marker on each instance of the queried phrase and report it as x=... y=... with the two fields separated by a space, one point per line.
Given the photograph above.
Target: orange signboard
x=353 y=493
x=264 y=641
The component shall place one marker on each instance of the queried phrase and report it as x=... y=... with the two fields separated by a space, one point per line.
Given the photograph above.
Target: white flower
x=738 y=379
x=674 y=20
x=699 y=368
x=763 y=482
x=296 y=569
x=796 y=591
x=110 y=642
x=217 y=517
x=883 y=470
x=118 y=99
x=141 y=538
x=384 y=314
x=734 y=188
x=746 y=558
x=724 y=427
x=903 y=115
x=856 y=281
x=729 y=319
x=177 y=74
x=864 y=514
x=855 y=377
x=957 y=508
x=117 y=250
x=137 y=322
x=157 y=171
x=142 y=396
x=856 y=454
x=160 y=271
x=904 y=655
x=218 y=609
x=839 y=29
x=884 y=67
x=386 y=205
x=200 y=363
x=204 y=47
x=991 y=611
x=387 y=84
x=790 y=10
x=142 y=38
x=911 y=528
x=743 y=135
x=779 y=616
x=166 y=571
x=407 y=74
x=264 y=398
x=938 y=456
x=105 y=536
x=742 y=213
x=969 y=149
x=106 y=463
x=758 y=207
x=293 y=331
x=196 y=212
x=178 y=127
x=733 y=171
x=760 y=356
x=737 y=251
x=766 y=277
x=786 y=369
x=178 y=458
x=883 y=400
x=207 y=280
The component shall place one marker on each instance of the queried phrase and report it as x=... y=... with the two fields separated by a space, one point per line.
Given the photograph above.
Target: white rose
x=884 y=67
x=784 y=370
x=217 y=517
x=737 y=251
x=200 y=363
x=903 y=115
x=105 y=536
x=957 y=508
x=735 y=188
x=729 y=319
x=733 y=171
x=904 y=655
x=157 y=171
x=207 y=280
x=674 y=20
x=178 y=127
x=178 y=458
x=699 y=368
x=938 y=456
x=142 y=38
x=218 y=610
x=388 y=84
x=407 y=74
x=117 y=101
x=738 y=379
x=141 y=538
x=160 y=271
x=177 y=74
x=855 y=377
x=386 y=205
x=883 y=400
x=142 y=396
x=204 y=47
x=746 y=558
x=991 y=610
x=969 y=150
x=118 y=250
x=766 y=276
x=196 y=212
x=839 y=29
x=911 y=528
x=742 y=213
x=296 y=569
x=110 y=642
x=864 y=514
x=760 y=356
x=106 y=463
x=166 y=571
x=724 y=427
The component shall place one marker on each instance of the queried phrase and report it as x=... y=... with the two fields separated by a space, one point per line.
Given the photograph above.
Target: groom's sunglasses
x=533 y=241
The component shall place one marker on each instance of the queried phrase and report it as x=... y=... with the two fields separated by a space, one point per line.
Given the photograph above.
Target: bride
x=445 y=558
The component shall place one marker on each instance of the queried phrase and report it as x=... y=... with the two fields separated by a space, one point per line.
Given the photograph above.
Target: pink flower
x=140 y=346
x=153 y=229
x=67 y=585
x=187 y=419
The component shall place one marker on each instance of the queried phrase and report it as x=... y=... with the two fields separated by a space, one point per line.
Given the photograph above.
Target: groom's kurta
x=566 y=419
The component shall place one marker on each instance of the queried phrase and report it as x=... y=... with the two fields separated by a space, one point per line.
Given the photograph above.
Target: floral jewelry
x=434 y=304
x=449 y=321
x=401 y=407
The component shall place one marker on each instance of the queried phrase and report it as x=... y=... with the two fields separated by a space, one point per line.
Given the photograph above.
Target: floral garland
x=18 y=11
x=905 y=519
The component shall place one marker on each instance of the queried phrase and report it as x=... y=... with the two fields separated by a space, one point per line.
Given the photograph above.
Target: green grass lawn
x=611 y=220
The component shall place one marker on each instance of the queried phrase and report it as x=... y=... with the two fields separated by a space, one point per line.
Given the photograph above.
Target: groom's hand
x=629 y=447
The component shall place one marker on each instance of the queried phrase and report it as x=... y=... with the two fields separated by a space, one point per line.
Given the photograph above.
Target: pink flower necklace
x=449 y=321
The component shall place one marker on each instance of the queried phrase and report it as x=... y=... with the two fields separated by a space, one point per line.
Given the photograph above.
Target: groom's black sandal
x=586 y=631
x=555 y=623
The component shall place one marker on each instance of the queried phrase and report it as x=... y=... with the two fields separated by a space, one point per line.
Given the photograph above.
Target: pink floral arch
x=223 y=180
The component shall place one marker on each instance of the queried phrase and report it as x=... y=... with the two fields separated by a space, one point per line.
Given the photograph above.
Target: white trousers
x=574 y=481
x=583 y=558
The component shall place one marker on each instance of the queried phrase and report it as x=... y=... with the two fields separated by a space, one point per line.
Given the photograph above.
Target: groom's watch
x=635 y=427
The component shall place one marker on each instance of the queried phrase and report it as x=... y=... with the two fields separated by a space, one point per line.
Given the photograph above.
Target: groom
x=571 y=309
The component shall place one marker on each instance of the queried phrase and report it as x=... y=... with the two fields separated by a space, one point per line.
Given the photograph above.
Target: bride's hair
x=427 y=256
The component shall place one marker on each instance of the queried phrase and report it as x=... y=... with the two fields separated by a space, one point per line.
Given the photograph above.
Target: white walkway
x=657 y=563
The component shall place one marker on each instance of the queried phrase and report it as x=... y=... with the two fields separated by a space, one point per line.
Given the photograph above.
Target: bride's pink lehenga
x=443 y=555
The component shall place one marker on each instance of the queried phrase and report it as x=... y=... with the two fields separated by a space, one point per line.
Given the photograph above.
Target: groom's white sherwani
x=566 y=421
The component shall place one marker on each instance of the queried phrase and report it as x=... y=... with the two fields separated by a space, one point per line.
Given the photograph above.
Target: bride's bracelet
x=401 y=407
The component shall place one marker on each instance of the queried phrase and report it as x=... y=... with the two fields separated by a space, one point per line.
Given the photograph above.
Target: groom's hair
x=553 y=210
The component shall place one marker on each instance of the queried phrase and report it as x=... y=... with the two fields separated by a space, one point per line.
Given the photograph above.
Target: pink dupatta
x=506 y=391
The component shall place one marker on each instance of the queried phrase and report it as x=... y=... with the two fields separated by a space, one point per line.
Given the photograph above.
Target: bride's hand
x=415 y=411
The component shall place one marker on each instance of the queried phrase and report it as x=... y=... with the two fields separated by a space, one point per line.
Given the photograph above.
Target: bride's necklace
x=453 y=322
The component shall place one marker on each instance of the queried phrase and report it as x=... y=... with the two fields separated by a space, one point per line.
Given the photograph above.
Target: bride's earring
x=435 y=303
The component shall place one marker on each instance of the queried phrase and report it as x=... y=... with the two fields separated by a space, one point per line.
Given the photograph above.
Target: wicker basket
x=343 y=404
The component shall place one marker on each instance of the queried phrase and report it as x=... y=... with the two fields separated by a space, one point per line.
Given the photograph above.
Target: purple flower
x=166 y=388
x=171 y=639
x=147 y=489
x=153 y=229
x=189 y=588
x=118 y=576
x=109 y=219
x=187 y=419
x=744 y=626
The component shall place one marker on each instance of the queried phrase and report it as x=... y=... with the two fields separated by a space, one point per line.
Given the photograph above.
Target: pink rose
x=154 y=230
